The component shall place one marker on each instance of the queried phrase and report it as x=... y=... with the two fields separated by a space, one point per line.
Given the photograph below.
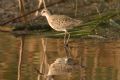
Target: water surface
x=101 y=57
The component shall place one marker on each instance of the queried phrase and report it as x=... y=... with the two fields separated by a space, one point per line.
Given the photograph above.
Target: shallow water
x=100 y=58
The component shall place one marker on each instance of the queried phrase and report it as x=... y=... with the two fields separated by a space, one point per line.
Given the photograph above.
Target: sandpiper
x=61 y=23
x=61 y=66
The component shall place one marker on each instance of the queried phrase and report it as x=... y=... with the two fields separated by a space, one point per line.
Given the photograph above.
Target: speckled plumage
x=60 y=22
x=60 y=66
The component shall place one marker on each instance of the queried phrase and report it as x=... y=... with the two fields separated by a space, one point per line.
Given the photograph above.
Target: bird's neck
x=48 y=16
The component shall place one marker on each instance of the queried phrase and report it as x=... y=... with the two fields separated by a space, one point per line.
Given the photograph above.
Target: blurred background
x=21 y=55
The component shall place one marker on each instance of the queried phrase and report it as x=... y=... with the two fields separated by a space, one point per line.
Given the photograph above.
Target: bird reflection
x=61 y=66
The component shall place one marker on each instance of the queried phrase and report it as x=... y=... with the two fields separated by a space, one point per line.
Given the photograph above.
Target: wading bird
x=61 y=23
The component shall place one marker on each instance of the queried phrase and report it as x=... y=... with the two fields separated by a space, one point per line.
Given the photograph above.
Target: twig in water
x=20 y=57
x=43 y=64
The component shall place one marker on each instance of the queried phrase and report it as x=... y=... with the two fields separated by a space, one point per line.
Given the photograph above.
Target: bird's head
x=45 y=12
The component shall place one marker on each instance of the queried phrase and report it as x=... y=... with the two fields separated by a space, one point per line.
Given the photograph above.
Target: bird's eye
x=43 y=11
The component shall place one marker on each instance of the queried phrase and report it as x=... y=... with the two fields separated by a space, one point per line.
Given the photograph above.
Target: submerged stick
x=43 y=63
x=20 y=58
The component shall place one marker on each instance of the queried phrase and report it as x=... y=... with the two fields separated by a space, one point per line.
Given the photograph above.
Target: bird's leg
x=65 y=38
x=67 y=51
x=66 y=46
x=68 y=38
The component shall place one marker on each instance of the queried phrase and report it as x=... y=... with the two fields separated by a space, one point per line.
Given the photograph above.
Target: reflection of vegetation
x=106 y=24
x=43 y=66
x=95 y=52
x=20 y=58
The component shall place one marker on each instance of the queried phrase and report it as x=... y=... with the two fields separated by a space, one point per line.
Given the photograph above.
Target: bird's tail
x=79 y=22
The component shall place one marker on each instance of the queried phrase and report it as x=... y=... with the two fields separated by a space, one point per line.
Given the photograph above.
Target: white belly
x=57 y=28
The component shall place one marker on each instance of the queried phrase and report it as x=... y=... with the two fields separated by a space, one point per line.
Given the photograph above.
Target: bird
x=61 y=66
x=61 y=23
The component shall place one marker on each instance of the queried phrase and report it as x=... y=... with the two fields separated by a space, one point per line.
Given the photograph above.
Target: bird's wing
x=63 y=21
